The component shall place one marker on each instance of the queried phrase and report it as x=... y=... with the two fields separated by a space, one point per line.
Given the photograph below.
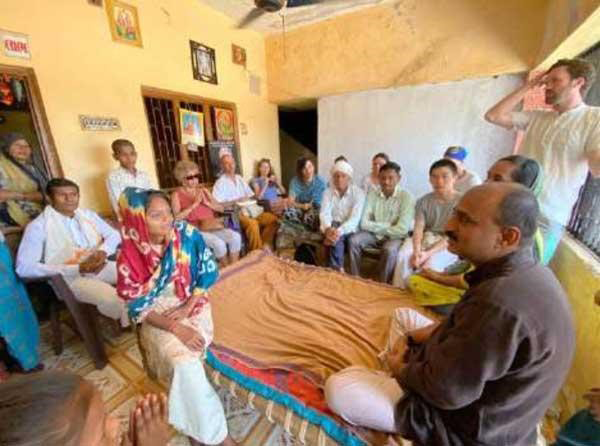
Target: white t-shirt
x=228 y=189
x=561 y=144
x=467 y=181
x=119 y=179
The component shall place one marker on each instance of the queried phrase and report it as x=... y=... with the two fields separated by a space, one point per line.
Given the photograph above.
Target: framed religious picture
x=224 y=124
x=191 y=124
x=124 y=23
x=238 y=55
x=204 y=65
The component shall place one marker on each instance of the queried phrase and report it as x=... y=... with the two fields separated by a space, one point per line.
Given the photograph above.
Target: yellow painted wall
x=579 y=274
x=414 y=42
x=80 y=70
x=572 y=26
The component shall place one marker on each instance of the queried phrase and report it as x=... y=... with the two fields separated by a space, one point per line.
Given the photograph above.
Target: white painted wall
x=414 y=125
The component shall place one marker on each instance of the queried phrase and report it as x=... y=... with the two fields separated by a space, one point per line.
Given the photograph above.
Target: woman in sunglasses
x=195 y=204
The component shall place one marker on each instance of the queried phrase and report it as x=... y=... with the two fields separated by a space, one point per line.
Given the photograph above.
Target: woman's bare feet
x=148 y=422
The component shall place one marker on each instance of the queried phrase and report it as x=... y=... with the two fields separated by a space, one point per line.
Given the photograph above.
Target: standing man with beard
x=565 y=140
x=487 y=374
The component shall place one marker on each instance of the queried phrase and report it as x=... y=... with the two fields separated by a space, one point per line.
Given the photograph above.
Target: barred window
x=585 y=220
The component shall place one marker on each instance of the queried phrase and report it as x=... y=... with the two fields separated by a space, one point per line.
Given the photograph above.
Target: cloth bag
x=251 y=210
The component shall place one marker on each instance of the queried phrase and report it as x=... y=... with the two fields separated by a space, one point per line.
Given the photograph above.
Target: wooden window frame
x=207 y=104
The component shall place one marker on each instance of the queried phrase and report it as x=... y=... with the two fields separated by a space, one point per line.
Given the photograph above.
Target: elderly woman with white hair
x=341 y=211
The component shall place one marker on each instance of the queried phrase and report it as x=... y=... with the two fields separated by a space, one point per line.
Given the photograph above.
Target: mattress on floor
x=282 y=328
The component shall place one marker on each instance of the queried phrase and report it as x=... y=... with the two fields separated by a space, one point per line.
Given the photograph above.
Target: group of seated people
x=157 y=270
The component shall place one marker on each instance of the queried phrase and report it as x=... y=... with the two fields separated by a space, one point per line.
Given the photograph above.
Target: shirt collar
x=397 y=191
x=127 y=172
x=523 y=258
x=337 y=194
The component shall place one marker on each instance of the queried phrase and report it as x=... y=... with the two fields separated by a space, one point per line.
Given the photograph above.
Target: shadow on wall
x=291 y=149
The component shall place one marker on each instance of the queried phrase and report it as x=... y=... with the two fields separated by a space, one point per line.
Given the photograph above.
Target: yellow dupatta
x=18 y=181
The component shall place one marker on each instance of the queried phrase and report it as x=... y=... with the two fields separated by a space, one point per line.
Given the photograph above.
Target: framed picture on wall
x=192 y=127
x=224 y=124
x=204 y=66
x=238 y=55
x=124 y=23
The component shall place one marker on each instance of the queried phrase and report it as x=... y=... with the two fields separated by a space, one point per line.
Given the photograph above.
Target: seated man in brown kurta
x=487 y=374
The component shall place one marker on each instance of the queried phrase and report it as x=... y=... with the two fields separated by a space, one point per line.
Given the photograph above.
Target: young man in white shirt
x=565 y=140
x=75 y=243
x=341 y=210
x=126 y=175
x=230 y=189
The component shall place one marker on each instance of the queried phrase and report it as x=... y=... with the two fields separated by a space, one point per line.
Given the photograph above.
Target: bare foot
x=148 y=423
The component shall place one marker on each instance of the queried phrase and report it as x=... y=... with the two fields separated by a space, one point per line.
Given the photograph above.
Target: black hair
x=390 y=165
x=117 y=144
x=301 y=164
x=520 y=208
x=152 y=193
x=444 y=163
x=340 y=158
x=59 y=182
x=526 y=170
x=382 y=155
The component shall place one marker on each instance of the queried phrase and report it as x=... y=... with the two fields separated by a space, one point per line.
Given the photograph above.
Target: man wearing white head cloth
x=340 y=213
x=230 y=189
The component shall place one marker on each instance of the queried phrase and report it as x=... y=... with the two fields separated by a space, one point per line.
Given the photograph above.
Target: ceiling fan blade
x=250 y=17
x=297 y=3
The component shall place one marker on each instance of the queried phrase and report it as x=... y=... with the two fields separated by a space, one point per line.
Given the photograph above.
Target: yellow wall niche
x=80 y=70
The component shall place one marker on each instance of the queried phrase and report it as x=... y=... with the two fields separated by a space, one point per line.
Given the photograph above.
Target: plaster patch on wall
x=419 y=62
x=405 y=10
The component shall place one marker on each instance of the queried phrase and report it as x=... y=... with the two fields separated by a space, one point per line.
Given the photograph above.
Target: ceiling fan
x=270 y=6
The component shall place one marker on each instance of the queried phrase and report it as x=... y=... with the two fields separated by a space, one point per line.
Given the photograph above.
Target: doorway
x=297 y=138
x=22 y=111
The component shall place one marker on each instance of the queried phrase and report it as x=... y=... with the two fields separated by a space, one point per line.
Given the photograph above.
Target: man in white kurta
x=341 y=210
x=75 y=243
x=230 y=189
x=564 y=140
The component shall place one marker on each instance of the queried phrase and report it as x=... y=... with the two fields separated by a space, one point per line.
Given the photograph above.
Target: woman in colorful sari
x=21 y=182
x=164 y=272
x=19 y=328
x=442 y=290
x=301 y=218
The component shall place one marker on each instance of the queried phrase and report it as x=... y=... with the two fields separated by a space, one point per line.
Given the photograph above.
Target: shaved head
x=492 y=221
